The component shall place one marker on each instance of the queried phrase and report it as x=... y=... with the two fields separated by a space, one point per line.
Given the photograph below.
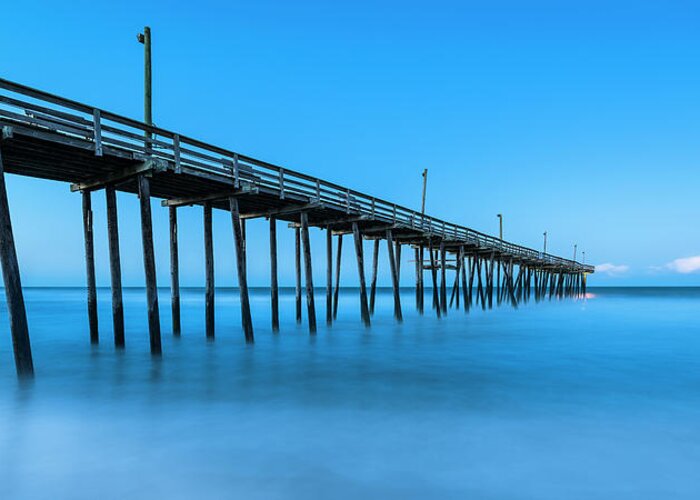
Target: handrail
x=107 y=131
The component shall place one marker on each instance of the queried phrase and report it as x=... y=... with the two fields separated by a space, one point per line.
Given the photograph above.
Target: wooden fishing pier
x=50 y=137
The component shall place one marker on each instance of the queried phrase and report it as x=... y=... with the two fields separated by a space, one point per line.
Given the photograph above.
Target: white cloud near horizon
x=612 y=269
x=685 y=265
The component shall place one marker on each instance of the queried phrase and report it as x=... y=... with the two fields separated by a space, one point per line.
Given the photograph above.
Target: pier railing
x=106 y=133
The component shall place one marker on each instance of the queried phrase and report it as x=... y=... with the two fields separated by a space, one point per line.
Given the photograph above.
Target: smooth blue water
x=557 y=400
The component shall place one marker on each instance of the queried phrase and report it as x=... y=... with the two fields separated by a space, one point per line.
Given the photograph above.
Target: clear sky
x=579 y=118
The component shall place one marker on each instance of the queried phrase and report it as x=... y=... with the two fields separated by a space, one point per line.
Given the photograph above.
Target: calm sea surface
x=562 y=399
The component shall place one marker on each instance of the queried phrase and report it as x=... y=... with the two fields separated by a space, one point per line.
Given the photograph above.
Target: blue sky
x=579 y=118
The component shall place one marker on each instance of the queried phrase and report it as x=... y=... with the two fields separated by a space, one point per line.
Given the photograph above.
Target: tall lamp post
x=575 y=246
x=425 y=182
x=544 y=251
x=500 y=225
x=145 y=39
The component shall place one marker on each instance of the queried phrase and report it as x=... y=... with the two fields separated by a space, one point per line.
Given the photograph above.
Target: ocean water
x=562 y=399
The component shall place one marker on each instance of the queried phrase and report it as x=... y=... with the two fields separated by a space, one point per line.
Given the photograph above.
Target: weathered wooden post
x=498 y=282
x=443 y=277
x=297 y=270
x=329 y=276
x=480 y=287
x=394 y=276
x=149 y=263
x=373 y=283
x=465 y=291
x=489 y=268
x=239 y=243
x=115 y=267
x=13 y=286
x=454 y=295
x=174 y=272
x=90 y=267
x=433 y=274
x=419 y=278
x=397 y=254
x=339 y=253
x=359 y=253
x=209 y=268
x=471 y=267
x=310 y=305
x=274 y=287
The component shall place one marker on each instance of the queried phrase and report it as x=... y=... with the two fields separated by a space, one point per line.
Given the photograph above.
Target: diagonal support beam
x=201 y=200
x=147 y=168
x=285 y=210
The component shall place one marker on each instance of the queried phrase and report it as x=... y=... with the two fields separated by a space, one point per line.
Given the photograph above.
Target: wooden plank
x=239 y=243
x=308 y=272
x=90 y=268
x=149 y=264
x=13 y=286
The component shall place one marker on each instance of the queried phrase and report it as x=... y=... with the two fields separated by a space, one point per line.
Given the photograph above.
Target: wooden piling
x=297 y=269
x=308 y=271
x=90 y=268
x=359 y=253
x=433 y=274
x=489 y=268
x=274 y=287
x=458 y=272
x=419 y=279
x=174 y=273
x=115 y=267
x=373 y=283
x=471 y=267
x=209 y=268
x=149 y=264
x=465 y=291
x=397 y=254
x=13 y=287
x=239 y=244
x=329 y=276
x=339 y=253
x=443 y=277
x=394 y=276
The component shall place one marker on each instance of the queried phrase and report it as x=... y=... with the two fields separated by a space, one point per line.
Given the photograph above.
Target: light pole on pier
x=425 y=182
x=583 y=257
x=575 y=246
x=500 y=225
x=544 y=251
x=145 y=39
